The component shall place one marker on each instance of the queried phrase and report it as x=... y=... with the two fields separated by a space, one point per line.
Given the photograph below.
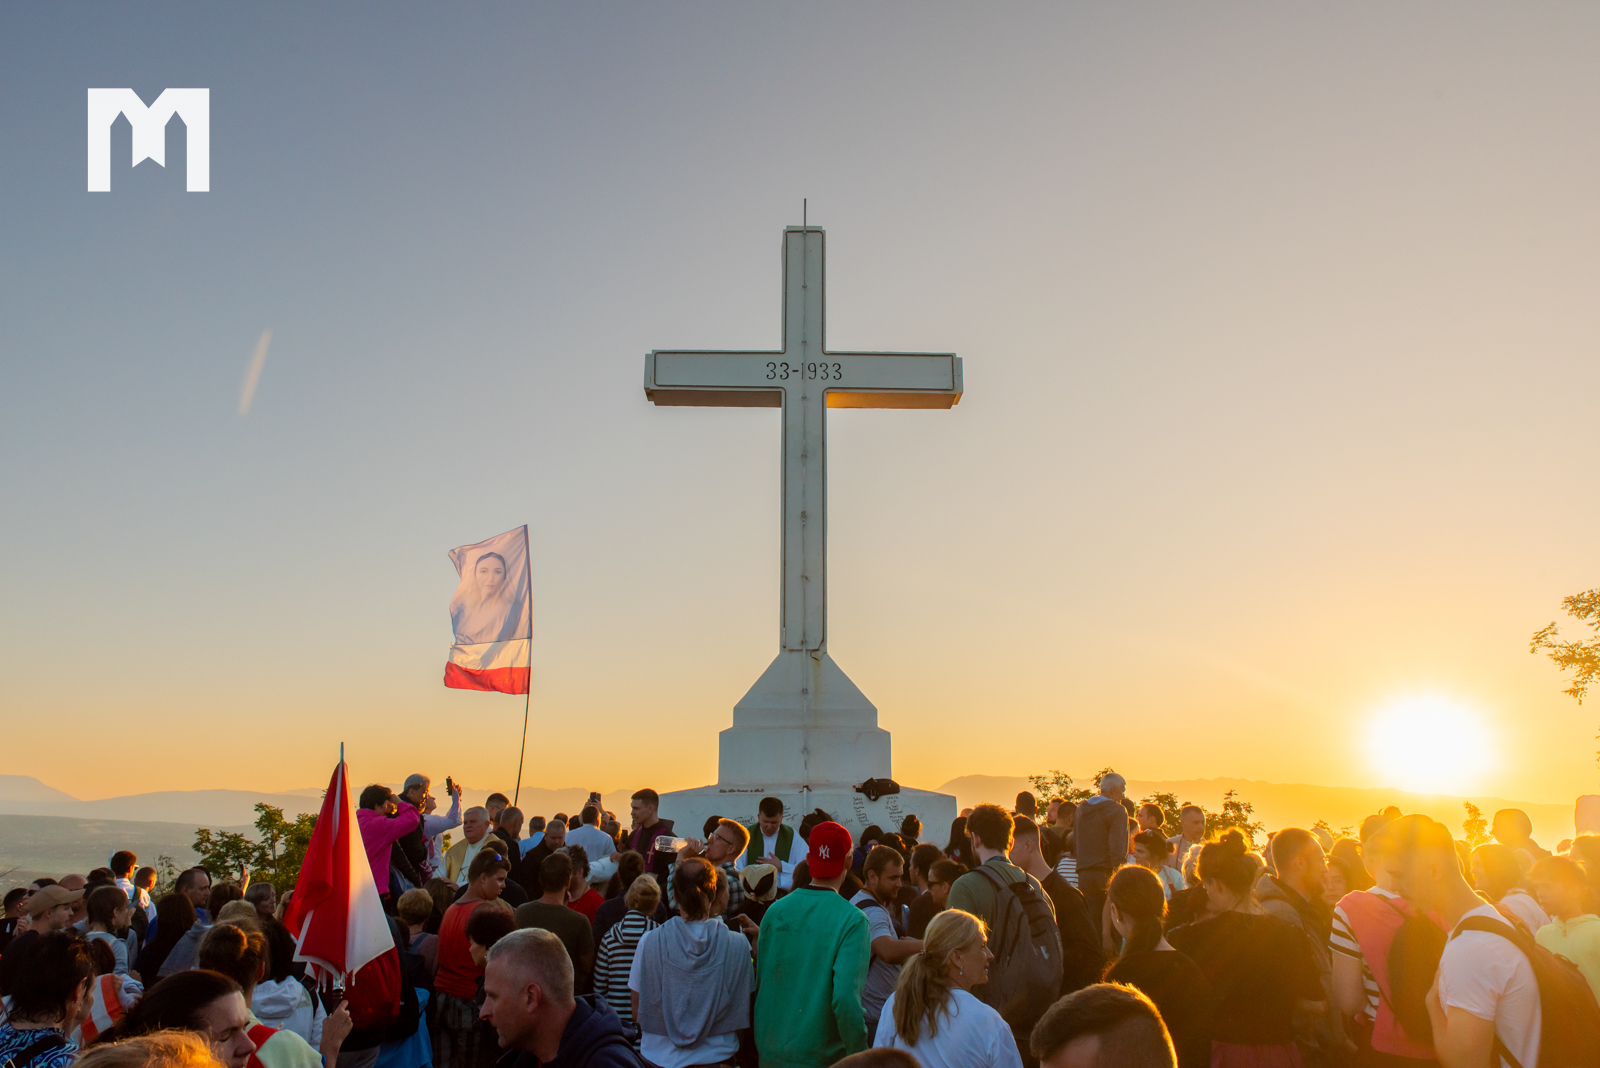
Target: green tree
x=274 y=856
x=1235 y=813
x=226 y=854
x=1056 y=784
x=1474 y=829
x=1583 y=657
x=283 y=845
x=166 y=876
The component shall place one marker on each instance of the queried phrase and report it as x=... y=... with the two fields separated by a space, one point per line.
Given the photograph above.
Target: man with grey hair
x=421 y=846
x=474 y=831
x=1101 y=836
x=528 y=1000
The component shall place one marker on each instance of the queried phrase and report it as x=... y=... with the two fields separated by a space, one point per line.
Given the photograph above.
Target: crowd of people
x=1088 y=934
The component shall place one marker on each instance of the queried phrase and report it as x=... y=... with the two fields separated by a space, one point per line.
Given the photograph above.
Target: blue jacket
x=593 y=1038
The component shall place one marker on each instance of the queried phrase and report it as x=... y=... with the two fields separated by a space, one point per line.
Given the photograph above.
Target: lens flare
x=1430 y=744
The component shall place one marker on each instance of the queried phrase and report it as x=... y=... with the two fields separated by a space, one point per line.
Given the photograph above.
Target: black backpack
x=1413 y=962
x=1025 y=978
x=1569 y=1017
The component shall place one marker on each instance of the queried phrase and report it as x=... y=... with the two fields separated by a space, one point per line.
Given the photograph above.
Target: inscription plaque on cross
x=804 y=722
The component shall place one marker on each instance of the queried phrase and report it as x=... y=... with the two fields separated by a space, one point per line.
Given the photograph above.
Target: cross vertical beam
x=804 y=380
x=803 y=608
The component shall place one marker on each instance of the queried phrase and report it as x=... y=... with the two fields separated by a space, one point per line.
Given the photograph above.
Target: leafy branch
x=1580 y=656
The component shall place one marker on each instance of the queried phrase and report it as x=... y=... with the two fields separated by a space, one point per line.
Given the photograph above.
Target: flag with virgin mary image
x=491 y=616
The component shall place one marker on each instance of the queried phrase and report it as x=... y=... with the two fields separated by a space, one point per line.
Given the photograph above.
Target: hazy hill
x=26 y=796
x=27 y=788
x=1290 y=804
x=56 y=845
x=210 y=808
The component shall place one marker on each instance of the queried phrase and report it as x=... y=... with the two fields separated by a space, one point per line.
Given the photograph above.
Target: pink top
x=379 y=832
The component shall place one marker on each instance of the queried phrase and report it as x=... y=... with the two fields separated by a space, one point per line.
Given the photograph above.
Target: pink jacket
x=379 y=833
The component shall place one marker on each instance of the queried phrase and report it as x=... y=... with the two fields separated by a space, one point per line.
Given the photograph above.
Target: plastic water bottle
x=668 y=844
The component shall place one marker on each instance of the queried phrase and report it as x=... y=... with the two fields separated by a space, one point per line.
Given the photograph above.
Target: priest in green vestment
x=774 y=842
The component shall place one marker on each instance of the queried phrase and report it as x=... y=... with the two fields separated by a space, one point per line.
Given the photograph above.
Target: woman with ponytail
x=1260 y=968
x=1137 y=903
x=933 y=1014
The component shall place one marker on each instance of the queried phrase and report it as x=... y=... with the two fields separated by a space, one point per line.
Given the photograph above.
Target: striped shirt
x=1067 y=868
x=1343 y=940
x=614 y=961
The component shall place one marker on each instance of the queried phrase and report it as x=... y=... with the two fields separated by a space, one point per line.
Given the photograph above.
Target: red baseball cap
x=830 y=849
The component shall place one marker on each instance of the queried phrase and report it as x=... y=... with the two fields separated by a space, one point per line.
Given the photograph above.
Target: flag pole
x=523 y=752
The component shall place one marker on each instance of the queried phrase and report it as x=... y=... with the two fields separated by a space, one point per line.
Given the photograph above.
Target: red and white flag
x=336 y=916
x=491 y=615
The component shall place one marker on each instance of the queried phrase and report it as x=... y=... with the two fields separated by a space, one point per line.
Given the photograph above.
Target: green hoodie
x=811 y=963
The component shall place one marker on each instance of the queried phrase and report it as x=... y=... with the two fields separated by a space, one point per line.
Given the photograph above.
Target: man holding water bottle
x=727 y=839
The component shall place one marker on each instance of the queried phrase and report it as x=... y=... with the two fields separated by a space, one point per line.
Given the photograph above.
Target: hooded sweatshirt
x=593 y=1038
x=1101 y=829
x=695 y=980
x=287 y=1005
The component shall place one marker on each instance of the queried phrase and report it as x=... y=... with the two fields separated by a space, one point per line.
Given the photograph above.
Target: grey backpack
x=1025 y=978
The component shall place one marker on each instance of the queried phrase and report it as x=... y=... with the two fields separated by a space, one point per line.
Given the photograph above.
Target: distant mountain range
x=24 y=795
x=1289 y=804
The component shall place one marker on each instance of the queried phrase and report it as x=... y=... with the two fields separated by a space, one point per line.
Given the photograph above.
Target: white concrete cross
x=803 y=379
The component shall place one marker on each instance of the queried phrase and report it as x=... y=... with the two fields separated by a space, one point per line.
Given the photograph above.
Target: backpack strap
x=992 y=875
x=890 y=911
x=1512 y=935
x=44 y=1045
x=1488 y=926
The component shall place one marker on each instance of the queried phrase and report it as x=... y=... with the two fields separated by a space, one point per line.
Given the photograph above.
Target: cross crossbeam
x=804 y=379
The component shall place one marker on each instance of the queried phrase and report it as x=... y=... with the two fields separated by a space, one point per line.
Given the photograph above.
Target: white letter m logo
x=149 y=132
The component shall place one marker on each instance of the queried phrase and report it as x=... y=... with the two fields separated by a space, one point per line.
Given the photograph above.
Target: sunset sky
x=1280 y=335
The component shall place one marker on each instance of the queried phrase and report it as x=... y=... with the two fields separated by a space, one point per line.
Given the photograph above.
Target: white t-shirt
x=881 y=975
x=972 y=1036
x=1526 y=908
x=1489 y=977
x=659 y=1049
x=138 y=898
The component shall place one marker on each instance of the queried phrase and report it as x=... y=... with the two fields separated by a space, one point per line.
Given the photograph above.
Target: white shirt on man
x=596 y=843
x=798 y=851
x=972 y=1035
x=137 y=898
x=1488 y=976
x=472 y=850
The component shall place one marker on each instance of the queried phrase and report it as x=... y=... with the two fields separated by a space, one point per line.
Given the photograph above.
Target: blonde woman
x=164 y=1049
x=933 y=1014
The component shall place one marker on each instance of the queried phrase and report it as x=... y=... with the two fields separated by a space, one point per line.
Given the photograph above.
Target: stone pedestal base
x=804 y=722
x=689 y=809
